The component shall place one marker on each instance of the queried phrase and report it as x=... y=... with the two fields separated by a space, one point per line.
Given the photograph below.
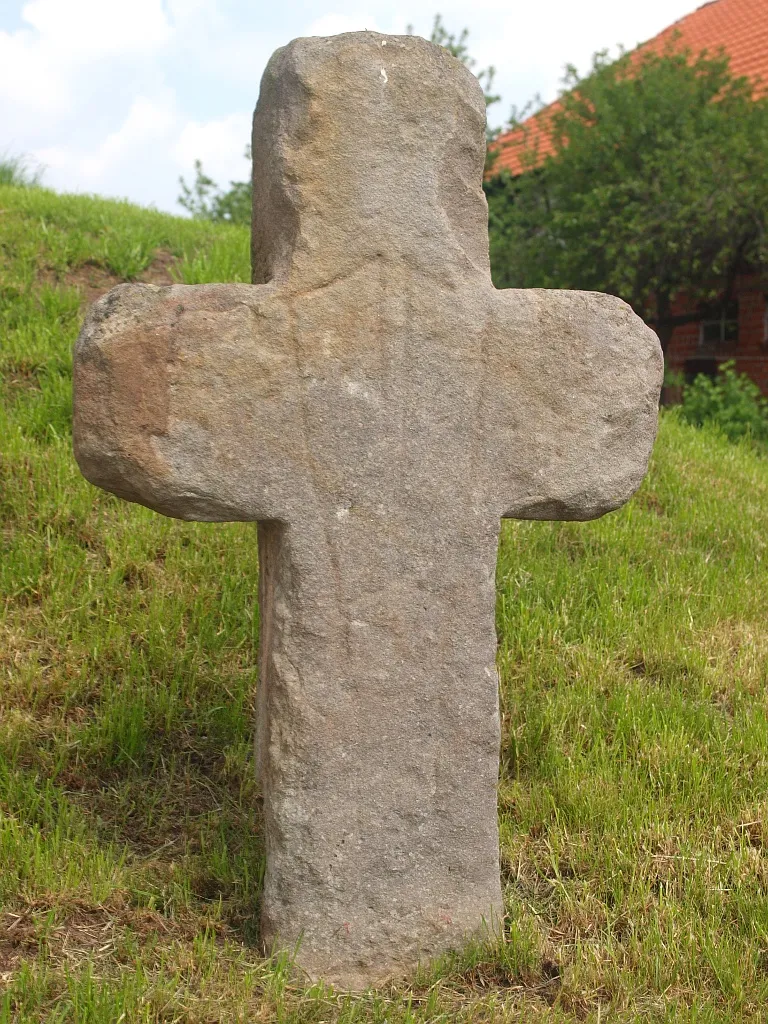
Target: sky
x=119 y=97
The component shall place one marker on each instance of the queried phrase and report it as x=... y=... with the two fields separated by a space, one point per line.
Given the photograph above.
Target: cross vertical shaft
x=381 y=796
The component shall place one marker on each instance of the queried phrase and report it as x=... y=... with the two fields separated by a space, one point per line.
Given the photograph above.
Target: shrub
x=731 y=402
x=15 y=170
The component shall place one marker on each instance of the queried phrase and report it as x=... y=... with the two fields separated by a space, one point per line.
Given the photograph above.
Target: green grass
x=16 y=170
x=634 y=661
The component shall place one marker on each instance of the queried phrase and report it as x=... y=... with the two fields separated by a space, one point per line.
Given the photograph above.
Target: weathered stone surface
x=377 y=407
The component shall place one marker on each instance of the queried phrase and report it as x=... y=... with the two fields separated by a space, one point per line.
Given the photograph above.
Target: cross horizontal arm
x=572 y=393
x=183 y=399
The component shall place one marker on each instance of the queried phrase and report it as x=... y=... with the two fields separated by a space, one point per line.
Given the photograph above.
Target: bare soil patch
x=79 y=931
x=18 y=941
x=94 y=280
x=21 y=374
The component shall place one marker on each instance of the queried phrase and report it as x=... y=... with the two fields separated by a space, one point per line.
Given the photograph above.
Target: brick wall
x=750 y=351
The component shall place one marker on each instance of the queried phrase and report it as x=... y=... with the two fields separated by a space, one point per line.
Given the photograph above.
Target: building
x=739 y=332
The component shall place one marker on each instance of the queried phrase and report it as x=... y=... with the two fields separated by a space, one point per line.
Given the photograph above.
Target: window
x=720 y=327
x=694 y=368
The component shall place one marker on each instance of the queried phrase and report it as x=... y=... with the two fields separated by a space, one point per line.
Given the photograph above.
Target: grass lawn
x=633 y=655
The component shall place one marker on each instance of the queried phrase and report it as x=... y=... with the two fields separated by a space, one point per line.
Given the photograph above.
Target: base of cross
x=395 y=953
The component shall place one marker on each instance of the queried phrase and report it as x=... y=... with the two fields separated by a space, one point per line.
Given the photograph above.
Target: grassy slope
x=633 y=657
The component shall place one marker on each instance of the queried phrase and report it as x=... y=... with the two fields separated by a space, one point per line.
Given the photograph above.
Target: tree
x=658 y=186
x=206 y=201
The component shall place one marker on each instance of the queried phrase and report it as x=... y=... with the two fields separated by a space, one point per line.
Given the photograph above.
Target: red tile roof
x=739 y=26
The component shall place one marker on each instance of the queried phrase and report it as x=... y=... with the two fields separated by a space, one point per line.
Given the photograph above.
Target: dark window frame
x=721 y=332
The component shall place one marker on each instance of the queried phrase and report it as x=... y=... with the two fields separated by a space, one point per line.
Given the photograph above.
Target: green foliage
x=15 y=170
x=633 y=654
x=126 y=253
x=224 y=257
x=206 y=201
x=731 y=402
x=659 y=184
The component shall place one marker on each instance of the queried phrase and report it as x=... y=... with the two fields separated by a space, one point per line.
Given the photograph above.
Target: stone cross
x=377 y=407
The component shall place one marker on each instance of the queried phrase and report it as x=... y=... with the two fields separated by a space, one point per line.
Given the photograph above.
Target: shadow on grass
x=175 y=803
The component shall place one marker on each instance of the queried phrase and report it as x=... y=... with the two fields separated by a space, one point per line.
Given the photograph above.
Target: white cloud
x=219 y=144
x=149 y=123
x=335 y=24
x=154 y=144
x=121 y=96
x=28 y=79
x=98 y=28
x=42 y=63
x=181 y=10
x=84 y=92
